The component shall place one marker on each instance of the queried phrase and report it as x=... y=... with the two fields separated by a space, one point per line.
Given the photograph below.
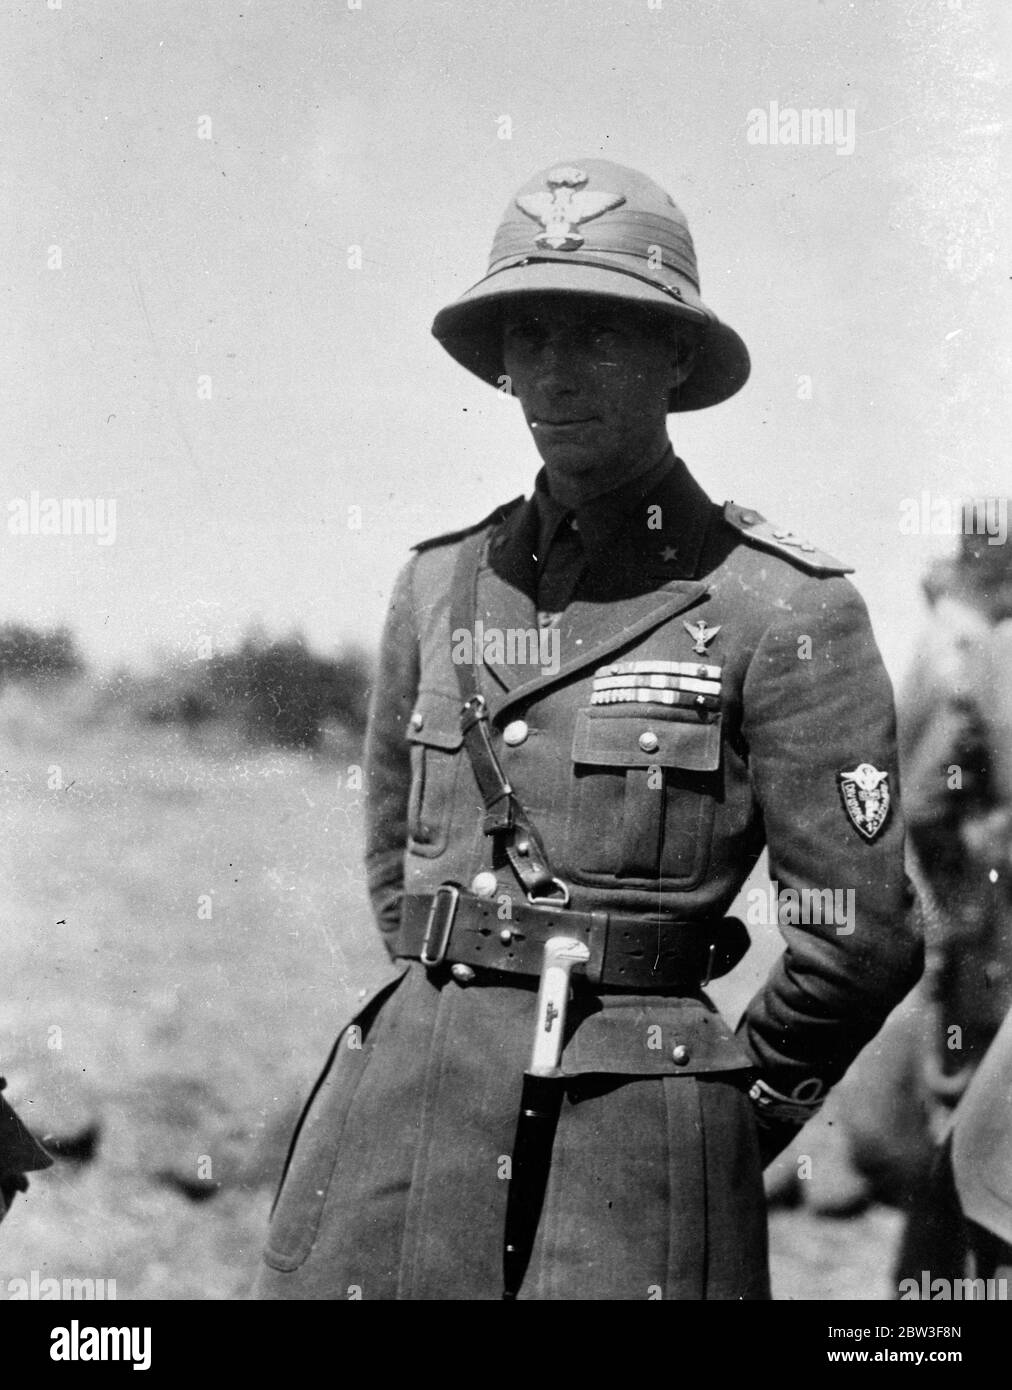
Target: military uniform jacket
x=643 y=807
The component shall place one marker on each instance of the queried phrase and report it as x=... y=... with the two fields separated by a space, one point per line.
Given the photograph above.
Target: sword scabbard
x=540 y=1103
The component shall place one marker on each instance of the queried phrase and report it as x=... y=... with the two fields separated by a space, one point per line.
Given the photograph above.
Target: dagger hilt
x=562 y=955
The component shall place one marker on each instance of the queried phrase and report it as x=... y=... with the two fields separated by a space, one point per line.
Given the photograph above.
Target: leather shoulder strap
x=505 y=817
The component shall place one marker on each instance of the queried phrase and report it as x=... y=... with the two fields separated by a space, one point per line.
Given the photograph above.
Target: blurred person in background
x=956 y=737
x=904 y=1096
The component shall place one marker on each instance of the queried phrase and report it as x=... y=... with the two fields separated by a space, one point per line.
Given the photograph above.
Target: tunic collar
x=656 y=521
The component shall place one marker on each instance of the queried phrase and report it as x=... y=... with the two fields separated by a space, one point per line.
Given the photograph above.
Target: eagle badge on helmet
x=565 y=207
x=553 y=239
x=865 y=795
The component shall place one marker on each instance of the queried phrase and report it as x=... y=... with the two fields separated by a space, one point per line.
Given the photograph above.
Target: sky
x=190 y=338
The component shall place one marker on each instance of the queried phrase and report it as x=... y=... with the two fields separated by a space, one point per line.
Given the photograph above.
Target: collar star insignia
x=669 y=554
x=566 y=206
x=702 y=635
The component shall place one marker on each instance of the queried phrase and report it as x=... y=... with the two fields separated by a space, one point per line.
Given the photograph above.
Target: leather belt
x=626 y=952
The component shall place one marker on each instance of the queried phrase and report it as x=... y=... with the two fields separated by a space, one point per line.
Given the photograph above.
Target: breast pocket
x=435 y=738
x=645 y=788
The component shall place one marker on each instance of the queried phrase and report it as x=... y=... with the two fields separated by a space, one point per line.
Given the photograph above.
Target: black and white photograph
x=506 y=661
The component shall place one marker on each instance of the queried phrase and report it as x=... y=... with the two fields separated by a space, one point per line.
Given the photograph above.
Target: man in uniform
x=593 y=710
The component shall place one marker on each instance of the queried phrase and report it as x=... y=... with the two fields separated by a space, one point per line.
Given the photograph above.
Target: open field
x=184 y=927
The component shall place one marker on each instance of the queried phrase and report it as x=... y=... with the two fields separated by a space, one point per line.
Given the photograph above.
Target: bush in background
x=276 y=688
x=27 y=654
x=284 y=692
x=272 y=690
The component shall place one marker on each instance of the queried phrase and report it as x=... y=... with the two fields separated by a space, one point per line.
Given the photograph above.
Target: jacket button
x=680 y=1054
x=417 y=719
x=515 y=732
x=463 y=974
x=483 y=885
x=649 y=741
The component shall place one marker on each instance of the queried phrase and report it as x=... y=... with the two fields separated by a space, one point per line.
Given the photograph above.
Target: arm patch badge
x=864 y=792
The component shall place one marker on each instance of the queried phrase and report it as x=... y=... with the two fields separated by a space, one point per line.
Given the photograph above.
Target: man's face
x=593 y=378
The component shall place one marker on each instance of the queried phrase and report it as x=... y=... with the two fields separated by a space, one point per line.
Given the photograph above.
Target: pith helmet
x=592 y=227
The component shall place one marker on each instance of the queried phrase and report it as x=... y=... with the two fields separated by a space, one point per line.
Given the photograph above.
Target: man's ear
x=684 y=355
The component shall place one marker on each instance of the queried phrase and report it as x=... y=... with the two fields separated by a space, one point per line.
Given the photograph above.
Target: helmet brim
x=471 y=328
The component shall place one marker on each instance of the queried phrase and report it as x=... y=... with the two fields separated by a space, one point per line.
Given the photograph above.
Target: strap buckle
x=472 y=711
x=439 y=925
x=559 y=897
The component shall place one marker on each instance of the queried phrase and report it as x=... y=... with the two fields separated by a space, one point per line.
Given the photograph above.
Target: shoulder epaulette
x=493 y=519
x=781 y=541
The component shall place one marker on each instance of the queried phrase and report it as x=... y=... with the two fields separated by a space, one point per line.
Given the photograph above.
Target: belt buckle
x=449 y=894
